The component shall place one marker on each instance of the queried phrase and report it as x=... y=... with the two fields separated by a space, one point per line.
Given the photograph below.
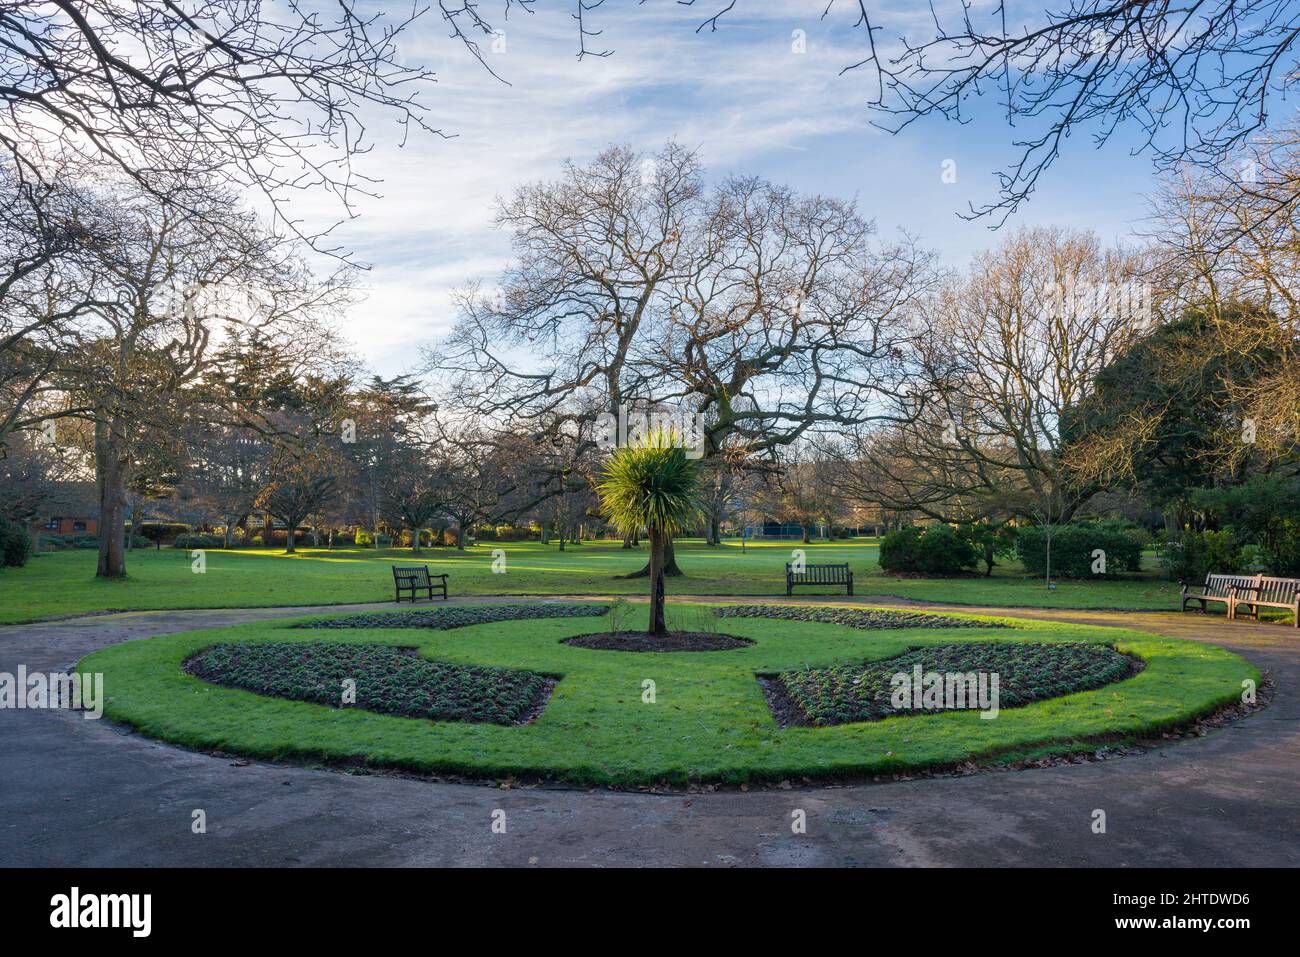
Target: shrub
x=198 y=540
x=1073 y=548
x=1264 y=509
x=936 y=551
x=990 y=542
x=15 y=545
x=1193 y=555
x=898 y=550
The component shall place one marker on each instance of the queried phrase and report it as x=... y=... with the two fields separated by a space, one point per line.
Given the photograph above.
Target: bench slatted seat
x=1252 y=591
x=818 y=575
x=1270 y=592
x=1217 y=588
x=416 y=578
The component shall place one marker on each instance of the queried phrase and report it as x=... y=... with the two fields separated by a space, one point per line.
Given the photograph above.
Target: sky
x=754 y=97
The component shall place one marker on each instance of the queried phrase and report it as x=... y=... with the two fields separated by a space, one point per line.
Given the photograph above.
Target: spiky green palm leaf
x=652 y=483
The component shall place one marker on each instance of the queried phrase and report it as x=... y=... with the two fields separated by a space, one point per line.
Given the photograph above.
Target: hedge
x=1073 y=548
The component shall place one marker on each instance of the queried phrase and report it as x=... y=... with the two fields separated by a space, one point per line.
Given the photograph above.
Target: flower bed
x=385 y=679
x=459 y=616
x=853 y=617
x=1025 y=672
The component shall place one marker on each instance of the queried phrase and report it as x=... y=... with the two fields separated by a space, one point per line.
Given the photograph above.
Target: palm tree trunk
x=670 y=564
x=658 y=540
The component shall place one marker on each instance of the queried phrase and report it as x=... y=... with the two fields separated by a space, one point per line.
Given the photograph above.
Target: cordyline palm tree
x=653 y=484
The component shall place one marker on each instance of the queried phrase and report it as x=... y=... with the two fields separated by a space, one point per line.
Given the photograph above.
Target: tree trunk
x=290 y=545
x=1049 y=556
x=110 y=468
x=460 y=536
x=659 y=544
x=627 y=541
x=806 y=537
x=670 y=563
x=415 y=543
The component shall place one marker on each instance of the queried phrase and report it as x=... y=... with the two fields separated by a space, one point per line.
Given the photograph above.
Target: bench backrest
x=819 y=574
x=1218 y=585
x=409 y=575
x=1278 y=589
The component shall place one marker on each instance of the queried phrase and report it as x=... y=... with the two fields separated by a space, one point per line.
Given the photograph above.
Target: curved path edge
x=85 y=793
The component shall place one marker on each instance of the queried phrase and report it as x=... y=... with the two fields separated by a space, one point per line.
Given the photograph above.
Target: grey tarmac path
x=75 y=792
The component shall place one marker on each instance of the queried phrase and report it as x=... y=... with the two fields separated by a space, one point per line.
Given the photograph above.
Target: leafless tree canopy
x=266 y=94
x=767 y=312
x=1195 y=80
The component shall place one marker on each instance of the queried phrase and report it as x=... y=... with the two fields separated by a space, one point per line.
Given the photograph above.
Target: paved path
x=82 y=792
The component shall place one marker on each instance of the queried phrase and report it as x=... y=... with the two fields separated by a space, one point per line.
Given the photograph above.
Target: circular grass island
x=498 y=692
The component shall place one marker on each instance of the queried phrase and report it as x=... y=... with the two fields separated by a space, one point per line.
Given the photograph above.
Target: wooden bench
x=1269 y=592
x=415 y=578
x=818 y=575
x=1253 y=591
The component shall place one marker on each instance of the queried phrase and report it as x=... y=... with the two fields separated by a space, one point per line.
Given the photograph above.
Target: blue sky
x=741 y=95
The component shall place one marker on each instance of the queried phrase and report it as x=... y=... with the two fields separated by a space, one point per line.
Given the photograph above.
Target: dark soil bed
x=645 y=641
x=386 y=679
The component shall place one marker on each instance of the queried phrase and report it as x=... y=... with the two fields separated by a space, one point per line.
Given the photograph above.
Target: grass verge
x=634 y=720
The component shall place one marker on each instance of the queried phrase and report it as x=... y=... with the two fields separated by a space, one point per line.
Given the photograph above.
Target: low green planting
x=1025 y=672
x=707 y=719
x=382 y=678
x=64 y=583
x=879 y=618
x=459 y=616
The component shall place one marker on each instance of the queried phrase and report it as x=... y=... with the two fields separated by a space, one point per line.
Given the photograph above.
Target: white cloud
x=741 y=95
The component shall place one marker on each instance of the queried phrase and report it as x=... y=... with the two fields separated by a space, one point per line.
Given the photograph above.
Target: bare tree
x=266 y=96
x=171 y=280
x=1194 y=80
x=1010 y=348
x=764 y=312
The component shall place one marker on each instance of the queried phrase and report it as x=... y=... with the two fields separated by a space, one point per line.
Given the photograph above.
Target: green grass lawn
x=63 y=583
x=709 y=720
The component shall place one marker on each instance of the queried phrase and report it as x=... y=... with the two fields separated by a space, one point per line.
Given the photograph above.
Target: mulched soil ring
x=645 y=641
